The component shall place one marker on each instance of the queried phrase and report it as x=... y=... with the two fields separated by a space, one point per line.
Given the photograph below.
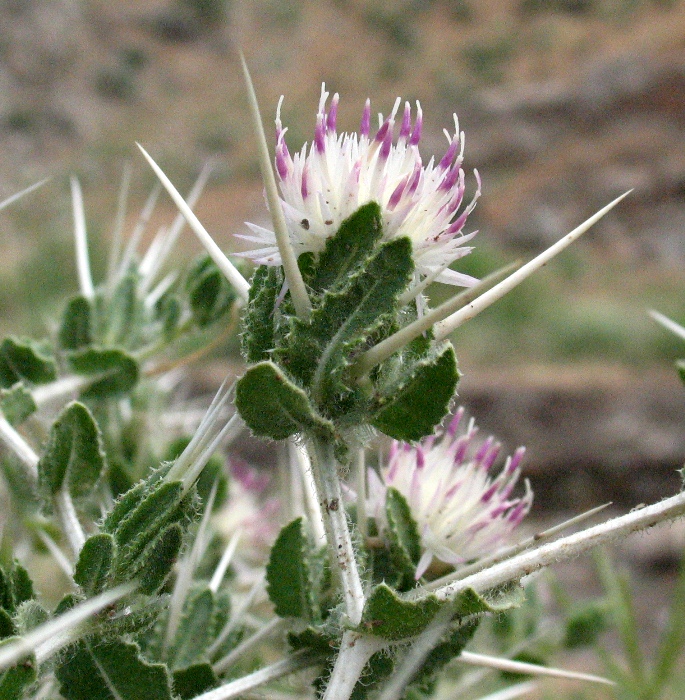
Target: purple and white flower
x=326 y=182
x=463 y=513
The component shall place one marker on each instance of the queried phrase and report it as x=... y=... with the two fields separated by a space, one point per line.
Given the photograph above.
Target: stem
x=355 y=651
x=444 y=328
x=293 y=276
x=66 y=513
x=296 y=662
x=337 y=530
x=566 y=547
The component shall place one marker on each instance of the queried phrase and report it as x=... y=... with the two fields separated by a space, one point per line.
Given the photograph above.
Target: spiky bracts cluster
x=328 y=181
x=462 y=511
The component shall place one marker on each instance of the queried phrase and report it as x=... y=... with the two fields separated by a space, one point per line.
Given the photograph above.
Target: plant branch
x=343 y=559
x=567 y=547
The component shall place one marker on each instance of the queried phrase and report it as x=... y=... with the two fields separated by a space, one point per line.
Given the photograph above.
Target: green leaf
x=680 y=366
x=209 y=292
x=7 y=626
x=111 y=671
x=405 y=542
x=158 y=559
x=123 y=311
x=585 y=623
x=378 y=669
x=76 y=329
x=412 y=408
x=115 y=372
x=288 y=575
x=387 y=615
x=195 y=630
x=168 y=311
x=22 y=586
x=95 y=563
x=349 y=247
x=25 y=359
x=16 y=680
x=258 y=321
x=194 y=680
x=30 y=614
x=74 y=456
x=497 y=600
x=274 y=407
x=447 y=650
x=17 y=403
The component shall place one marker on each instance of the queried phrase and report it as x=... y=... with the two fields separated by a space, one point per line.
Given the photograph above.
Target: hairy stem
x=355 y=651
x=343 y=558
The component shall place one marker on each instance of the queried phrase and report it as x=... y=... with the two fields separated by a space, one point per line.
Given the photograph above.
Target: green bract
x=304 y=380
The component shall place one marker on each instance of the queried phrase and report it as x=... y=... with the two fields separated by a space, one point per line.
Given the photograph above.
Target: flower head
x=462 y=511
x=329 y=180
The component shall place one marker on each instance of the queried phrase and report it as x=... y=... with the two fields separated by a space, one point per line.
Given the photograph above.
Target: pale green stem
x=81 y=239
x=509 y=552
x=378 y=353
x=510 y=666
x=66 y=514
x=360 y=469
x=296 y=662
x=444 y=328
x=566 y=548
x=115 y=250
x=293 y=276
x=416 y=655
x=18 y=195
x=343 y=559
x=355 y=651
x=240 y=284
x=304 y=473
x=28 y=459
x=271 y=627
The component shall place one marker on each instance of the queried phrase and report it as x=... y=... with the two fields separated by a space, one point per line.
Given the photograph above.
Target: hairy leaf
x=349 y=247
x=258 y=338
x=17 y=403
x=412 y=408
x=76 y=328
x=25 y=359
x=387 y=615
x=209 y=292
x=274 y=407
x=288 y=575
x=114 y=371
x=74 y=456
x=111 y=670
x=192 y=681
x=16 y=680
x=405 y=542
x=95 y=563
x=195 y=630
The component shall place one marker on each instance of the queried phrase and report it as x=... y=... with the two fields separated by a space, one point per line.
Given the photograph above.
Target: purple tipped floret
x=420 y=458
x=454 y=423
x=304 y=189
x=333 y=113
x=416 y=132
x=320 y=133
x=516 y=460
x=447 y=159
x=282 y=160
x=396 y=196
x=405 y=129
x=365 y=126
x=483 y=449
x=491 y=457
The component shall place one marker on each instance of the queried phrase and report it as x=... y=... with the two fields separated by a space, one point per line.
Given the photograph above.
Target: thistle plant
x=383 y=573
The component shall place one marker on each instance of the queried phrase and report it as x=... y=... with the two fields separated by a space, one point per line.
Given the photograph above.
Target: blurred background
x=565 y=104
